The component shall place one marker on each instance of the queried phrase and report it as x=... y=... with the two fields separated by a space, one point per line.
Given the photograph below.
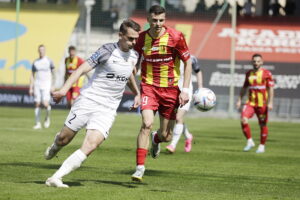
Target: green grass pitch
x=216 y=168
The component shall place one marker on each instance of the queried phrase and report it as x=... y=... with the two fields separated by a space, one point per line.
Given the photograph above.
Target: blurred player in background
x=96 y=106
x=180 y=127
x=260 y=83
x=72 y=63
x=160 y=49
x=41 y=85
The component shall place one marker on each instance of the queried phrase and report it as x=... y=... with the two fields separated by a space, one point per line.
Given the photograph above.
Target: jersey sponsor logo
x=159 y=59
x=116 y=77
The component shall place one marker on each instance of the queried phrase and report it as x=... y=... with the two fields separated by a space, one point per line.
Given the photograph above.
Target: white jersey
x=113 y=68
x=196 y=69
x=42 y=68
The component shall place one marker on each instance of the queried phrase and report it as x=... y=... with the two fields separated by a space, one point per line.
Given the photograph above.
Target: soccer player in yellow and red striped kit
x=260 y=83
x=160 y=49
x=72 y=63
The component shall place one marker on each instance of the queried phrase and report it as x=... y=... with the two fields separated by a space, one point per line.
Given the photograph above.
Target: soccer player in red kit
x=160 y=49
x=72 y=63
x=260 y=83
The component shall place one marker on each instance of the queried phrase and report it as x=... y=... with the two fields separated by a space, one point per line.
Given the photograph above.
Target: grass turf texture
x=216 y=168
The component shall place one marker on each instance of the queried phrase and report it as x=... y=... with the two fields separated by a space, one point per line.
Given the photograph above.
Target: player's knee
x=262 y=124
x=147 y=124
x=244 y=120
x=179 y=119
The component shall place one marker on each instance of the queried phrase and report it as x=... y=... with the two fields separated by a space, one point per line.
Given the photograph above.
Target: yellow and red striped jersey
x=161 y=57
x=71 y=65
x=258 y=82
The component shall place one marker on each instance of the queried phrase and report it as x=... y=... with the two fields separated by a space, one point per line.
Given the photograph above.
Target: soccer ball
x=204 y=99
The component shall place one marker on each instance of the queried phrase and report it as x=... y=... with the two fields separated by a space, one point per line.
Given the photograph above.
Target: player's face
x=157 y=22
x=42 y=51
x=128 y=40
x=72 y=53
x=257 y=62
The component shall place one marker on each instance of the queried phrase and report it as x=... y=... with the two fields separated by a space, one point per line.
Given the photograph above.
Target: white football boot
x=47 y=123
x=55 y=182
x=155 y=149
x=138 y=174
x=37 y=126
x=260 y=149
x=249 y=145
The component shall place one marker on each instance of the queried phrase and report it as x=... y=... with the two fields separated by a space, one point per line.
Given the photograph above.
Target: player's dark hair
x=157 y=10
x=129 y=23
x=72 y=48
x=256 y=55
x=41 y=45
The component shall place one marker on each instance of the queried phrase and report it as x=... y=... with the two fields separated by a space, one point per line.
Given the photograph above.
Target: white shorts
x=90 y=114
x=41 y=94
x=187 y=106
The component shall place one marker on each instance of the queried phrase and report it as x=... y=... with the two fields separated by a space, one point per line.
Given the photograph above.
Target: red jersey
x=160 y=57
x=258 y=82
x=71 y=66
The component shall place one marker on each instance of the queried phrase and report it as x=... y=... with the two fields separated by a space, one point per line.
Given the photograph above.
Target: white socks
x=177 y=131
x=48 y=111
x=71 y=163
x=186 y=132
x=37 y=113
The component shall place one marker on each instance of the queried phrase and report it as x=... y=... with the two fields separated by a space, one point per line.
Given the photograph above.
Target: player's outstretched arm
x=83 y=69
x=134 y=88
x=184 y=95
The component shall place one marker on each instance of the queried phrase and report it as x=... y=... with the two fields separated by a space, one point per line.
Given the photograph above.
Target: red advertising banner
x=277 y=41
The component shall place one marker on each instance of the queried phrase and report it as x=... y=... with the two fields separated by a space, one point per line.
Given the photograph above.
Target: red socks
x=263 y=134
x=246 y=130
x=141 y=156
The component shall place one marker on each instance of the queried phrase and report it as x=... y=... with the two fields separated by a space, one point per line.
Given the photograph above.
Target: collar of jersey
x=166 y=28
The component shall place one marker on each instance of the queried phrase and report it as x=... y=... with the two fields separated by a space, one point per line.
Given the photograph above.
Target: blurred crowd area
x=120 y=8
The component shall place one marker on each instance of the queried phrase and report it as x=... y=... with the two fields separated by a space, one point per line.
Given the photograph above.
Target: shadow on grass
x=148 y=172
x=36 y=165
x=118 y=183
x=69 y=183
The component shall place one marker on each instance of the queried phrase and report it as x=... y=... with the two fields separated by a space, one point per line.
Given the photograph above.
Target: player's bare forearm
x=187 y=73
x=134 y=88
x=199 y=79
x=132 y=85
x=31 y=81
x=83 y=69
x=271 y=97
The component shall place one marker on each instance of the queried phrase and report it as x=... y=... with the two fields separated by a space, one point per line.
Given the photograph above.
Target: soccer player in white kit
x=41 y=84
x=96 y=106
x=180 y=127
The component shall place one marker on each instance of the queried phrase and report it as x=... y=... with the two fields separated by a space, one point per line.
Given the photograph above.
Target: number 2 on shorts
x=72 y=118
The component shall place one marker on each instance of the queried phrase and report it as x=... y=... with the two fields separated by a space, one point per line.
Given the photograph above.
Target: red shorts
x=261 y=112
x=73 y=93
x=162 y=99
